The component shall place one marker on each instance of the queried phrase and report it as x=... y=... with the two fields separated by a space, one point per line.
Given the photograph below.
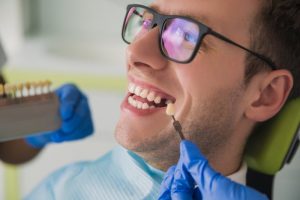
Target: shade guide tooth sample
x=170 y=111
x=24 y=112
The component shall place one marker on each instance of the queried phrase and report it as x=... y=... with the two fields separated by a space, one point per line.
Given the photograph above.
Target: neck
x=224 y=162
x=225 y=159
x=162 y=158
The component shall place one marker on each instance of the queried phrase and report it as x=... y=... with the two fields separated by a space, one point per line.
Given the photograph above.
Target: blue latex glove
x=75 y=115
x=193 y=178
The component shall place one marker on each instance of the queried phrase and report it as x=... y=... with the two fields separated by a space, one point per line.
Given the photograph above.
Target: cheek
x=208 y=73
x=196 y=80
x=205 y=80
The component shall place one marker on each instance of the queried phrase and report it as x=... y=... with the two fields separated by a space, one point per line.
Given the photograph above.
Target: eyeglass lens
x=179 y=36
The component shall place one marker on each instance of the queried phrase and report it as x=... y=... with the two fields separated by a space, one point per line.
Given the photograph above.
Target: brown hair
x=276 y=34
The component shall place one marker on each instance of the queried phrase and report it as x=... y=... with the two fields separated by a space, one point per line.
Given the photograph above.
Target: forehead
x=230 y=17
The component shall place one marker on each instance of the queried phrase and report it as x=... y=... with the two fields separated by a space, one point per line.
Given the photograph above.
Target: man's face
x=209 y=92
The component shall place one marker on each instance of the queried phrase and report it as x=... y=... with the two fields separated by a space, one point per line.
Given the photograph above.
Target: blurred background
x=78 y=41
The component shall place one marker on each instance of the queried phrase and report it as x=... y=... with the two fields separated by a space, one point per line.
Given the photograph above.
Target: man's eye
x=190 y=37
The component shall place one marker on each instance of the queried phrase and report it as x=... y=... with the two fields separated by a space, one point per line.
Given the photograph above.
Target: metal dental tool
x=170 y=111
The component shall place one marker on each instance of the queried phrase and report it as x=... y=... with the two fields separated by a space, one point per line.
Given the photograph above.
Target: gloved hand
x=75 y=115
x=193 y=178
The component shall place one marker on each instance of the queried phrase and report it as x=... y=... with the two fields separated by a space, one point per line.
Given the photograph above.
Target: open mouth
x=144 y=98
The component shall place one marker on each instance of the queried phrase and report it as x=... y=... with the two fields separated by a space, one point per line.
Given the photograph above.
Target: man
x=76 y=124
x=226 y=74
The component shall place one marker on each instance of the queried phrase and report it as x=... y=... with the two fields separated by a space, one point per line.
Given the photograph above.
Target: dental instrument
x=170 y=111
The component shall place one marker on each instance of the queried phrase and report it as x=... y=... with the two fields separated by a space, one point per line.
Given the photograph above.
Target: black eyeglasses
x=180 y=37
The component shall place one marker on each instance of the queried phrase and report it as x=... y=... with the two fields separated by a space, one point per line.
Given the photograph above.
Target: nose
x=144 y=51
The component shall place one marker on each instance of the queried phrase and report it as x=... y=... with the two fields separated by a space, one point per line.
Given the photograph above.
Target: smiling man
x=226 y=66
x=215 y=103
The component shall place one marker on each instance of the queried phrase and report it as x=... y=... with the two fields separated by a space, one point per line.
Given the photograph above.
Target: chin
x=128 y=139
x=142 y=141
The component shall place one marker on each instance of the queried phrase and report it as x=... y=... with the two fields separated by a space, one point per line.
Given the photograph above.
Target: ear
x=270 y=95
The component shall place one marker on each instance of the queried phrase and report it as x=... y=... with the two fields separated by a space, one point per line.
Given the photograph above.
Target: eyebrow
x=200 y=18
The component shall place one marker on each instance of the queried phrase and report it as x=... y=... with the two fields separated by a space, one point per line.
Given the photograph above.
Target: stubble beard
x=209 y=125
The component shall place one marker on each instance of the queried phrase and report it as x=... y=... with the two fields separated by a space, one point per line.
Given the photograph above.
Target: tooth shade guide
x=14 y=101
x=1 y=90
x=7 y=90
x=13 y=90
x=42 y=87
x=21 y=90
x=48 y=85
x=24 y=110
x=170 y=111
x=178 y=128
x=32 y=89
x=28 y=86
x=26 y=115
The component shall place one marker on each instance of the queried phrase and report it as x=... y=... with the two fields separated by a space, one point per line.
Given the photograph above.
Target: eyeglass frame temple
x=262 y=57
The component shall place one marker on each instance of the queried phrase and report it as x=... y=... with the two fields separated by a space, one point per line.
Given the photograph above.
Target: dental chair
x=272 y=146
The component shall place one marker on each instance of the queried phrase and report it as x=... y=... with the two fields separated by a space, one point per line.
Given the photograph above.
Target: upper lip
x=153 y=88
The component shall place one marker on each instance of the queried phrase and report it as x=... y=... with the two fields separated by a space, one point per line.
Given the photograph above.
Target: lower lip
x=139 y=112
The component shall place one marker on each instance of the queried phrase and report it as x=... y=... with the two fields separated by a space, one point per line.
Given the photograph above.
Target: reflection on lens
x=179 y=39
x=137 y=21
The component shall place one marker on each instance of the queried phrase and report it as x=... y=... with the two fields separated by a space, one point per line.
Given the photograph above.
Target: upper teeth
x=144 y=93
